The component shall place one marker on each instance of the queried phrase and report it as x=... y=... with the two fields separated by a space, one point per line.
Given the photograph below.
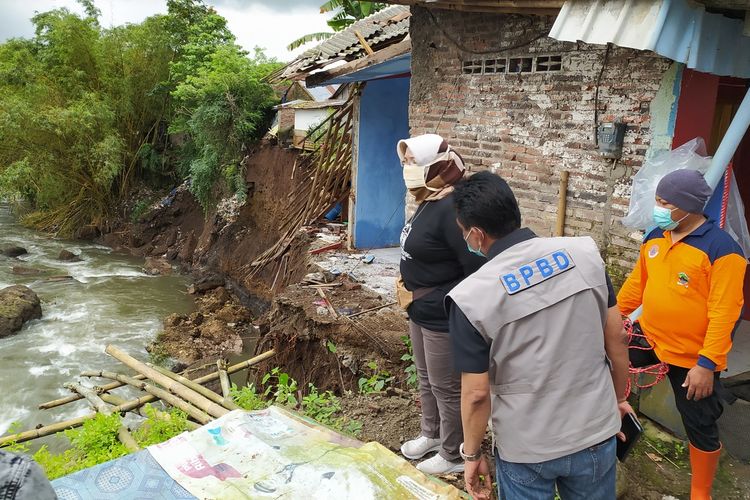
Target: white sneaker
x=439 y=465
x=417 y=448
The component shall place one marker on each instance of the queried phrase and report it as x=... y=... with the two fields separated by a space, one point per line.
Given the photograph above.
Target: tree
x=86 y=112
x=346 y=12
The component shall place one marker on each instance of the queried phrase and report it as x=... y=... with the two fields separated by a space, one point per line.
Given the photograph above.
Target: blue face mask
x=475 y=252
x=663 y=218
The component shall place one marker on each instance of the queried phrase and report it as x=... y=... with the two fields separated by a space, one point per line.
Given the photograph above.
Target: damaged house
x=566 y=100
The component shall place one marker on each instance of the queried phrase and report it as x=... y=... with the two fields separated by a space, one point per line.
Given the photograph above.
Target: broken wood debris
x=328 y=174
x=175 y=390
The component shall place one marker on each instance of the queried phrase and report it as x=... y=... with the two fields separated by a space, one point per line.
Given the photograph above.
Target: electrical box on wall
x=610 y=137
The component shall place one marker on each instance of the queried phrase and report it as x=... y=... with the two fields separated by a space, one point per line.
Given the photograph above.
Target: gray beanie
x=686 y=189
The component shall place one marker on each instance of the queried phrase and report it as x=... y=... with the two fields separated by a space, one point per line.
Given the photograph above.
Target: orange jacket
x=691 y=294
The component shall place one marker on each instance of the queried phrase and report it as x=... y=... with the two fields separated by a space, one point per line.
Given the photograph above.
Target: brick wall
x=528 y=127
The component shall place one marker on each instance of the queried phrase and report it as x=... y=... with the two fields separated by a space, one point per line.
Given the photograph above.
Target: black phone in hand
x=632 y=430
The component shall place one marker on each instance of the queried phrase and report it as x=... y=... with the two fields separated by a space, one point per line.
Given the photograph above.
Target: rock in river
x=68 y=256
x=18 y=304
x=13 y=251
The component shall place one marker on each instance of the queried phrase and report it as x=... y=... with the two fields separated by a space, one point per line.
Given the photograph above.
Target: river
x=109 y=300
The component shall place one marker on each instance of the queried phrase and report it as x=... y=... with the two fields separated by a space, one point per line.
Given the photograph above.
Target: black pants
x=698 y=417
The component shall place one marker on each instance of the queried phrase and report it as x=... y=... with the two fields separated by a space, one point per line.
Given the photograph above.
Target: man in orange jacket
x=689 y=278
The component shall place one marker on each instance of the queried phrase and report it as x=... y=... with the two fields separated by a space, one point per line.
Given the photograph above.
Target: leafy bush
x=376 y=382
x=247 y=397
x=85 y=111
x=411 y=370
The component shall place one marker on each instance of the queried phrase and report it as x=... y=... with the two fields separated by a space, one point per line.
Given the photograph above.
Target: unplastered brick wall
x=528 y=114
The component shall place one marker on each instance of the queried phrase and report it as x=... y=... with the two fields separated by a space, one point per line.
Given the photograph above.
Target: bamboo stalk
x=221 y=365
x=372 y=309
x=171 y=385
x=77 y=397
x=91 y=396
x=130 y=405
x=191 y=384
x=127 y=439
x=168 y=397
x=113 y=399
x=123 y=434
x=69 y=424
x=161 y=415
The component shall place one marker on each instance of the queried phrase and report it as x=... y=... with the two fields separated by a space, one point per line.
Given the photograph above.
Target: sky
x=270 y=24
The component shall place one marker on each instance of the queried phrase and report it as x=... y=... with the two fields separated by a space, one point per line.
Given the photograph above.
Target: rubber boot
x=703 y=467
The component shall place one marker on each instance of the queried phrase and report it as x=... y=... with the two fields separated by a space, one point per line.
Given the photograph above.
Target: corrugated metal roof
x=676 y=29
x=379 y=29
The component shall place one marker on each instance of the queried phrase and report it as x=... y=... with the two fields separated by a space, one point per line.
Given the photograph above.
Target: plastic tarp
x=270 y=453
x=689 y=155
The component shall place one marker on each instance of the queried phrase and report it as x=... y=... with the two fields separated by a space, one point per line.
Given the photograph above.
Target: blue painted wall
x=380 y=191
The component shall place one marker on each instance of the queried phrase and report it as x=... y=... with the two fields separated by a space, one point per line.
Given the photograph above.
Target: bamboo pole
x=77 y=397
x=171 y=385
x=221 y=365
x=191 y=384
x=161 y=415
x=562 y=204
x=123 y=434
x=170 y=398
x=130 y=405
x=91 y=396
x=127 y=439
x=68 y=424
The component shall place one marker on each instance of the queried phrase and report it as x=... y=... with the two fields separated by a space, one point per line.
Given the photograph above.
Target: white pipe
x=729 y=143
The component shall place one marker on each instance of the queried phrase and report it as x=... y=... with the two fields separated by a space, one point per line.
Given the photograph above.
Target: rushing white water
x=109 y=300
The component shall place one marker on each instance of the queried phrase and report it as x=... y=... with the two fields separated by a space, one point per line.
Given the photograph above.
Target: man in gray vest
x=539 y=342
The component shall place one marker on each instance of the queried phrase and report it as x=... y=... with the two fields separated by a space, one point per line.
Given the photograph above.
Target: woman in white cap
x=434 y=258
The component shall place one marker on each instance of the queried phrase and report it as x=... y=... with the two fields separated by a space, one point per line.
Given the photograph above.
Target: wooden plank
x=364 y=43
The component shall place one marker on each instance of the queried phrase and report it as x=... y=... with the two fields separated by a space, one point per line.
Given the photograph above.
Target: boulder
x=13 y=251
x=205 y=284
x=18 y=304
x=157 y=266
x=68 y=256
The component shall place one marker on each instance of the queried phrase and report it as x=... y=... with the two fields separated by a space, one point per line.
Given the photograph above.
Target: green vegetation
x=376 y=382
x=281 y=389
x=87 y=113
x=411 y=371
x=96 y=441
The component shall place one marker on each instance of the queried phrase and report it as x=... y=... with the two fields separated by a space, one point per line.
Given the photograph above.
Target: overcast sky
x=270 y=24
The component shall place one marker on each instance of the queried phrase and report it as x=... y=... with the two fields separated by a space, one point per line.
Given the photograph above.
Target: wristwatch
x=469 y=458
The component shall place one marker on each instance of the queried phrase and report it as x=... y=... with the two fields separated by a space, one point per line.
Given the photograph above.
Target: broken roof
x=300 y=104
x=322 y=93
x=378 y=30
x=499 y=6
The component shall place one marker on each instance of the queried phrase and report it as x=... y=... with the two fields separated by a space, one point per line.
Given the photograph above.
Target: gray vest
x=541 y=305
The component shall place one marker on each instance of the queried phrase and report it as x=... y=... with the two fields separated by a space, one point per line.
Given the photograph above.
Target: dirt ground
x=322 y=338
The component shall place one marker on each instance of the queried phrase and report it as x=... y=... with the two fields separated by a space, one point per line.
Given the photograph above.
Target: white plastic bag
x=689 y=155
x=736 y=224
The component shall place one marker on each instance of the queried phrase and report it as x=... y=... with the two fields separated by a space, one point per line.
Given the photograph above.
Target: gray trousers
x=439 y=388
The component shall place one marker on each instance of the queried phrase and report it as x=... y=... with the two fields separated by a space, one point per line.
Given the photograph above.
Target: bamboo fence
x=201 y=404
x=327 y=170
